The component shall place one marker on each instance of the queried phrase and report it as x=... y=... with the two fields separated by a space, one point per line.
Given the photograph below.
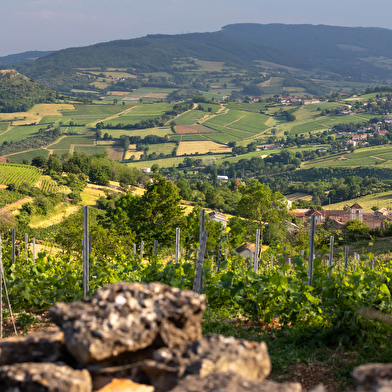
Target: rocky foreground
x=145 y=338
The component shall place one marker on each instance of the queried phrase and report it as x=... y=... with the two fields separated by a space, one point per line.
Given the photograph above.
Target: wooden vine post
x=198 y=281
x=86 y=252
x=177 y=254
x=330 y=259
x=311 y=249
x=256 y=260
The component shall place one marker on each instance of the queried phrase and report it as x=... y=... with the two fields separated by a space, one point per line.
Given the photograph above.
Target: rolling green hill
x=19 y=93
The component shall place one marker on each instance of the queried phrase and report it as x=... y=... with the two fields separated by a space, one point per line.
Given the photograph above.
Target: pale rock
x=43 y=377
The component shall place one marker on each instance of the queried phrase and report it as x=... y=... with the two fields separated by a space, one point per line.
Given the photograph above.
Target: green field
x=165 y=148
x=128 y=119
x=191 y=117
x=29 y=155
x=65 y=143
x=51 y=119
x=90 y=149
x=98 y=111
x=225 y=119
x=254 y=123
x=247 y=107
x=307 y=127
x=221 y=138
x=17 y=133
x=116 y=133
x=4 y=126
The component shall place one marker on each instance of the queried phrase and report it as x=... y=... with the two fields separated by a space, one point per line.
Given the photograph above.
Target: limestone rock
x=231 y=382
x=48 y=347
x=43 y=377
x=373 y=377
x=319 y=388
x=129 y=317
x=123 y=385
x=211 y=354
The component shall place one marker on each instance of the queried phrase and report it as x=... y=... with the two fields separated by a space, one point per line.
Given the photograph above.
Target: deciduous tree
x=259 y=204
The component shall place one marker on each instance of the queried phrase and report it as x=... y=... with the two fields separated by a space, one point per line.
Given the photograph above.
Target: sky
x=57 y=24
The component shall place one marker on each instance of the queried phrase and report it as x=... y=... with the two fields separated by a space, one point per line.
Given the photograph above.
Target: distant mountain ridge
x=23 y=57
x=359 y=53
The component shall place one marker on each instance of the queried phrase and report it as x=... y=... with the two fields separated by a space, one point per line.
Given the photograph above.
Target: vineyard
x=48 y=185
x=276 y=292
x=18 y=174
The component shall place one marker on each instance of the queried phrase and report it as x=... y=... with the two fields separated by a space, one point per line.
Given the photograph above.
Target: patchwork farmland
x=202 y=129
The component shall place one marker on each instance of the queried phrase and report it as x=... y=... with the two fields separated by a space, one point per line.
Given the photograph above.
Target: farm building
x=311 y=101
x=246 y=250
x=374 y=219
x=218 y=217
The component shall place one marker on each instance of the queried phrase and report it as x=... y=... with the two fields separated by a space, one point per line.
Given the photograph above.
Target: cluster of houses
x=374 y=219
x=360 y=137
x=295 y=100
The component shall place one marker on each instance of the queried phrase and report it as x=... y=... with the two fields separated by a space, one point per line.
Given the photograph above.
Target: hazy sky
x=57 y=24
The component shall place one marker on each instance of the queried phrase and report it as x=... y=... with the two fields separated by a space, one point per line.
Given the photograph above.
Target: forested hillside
x=347 y=51
x=19 y=94
x=148 y=54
